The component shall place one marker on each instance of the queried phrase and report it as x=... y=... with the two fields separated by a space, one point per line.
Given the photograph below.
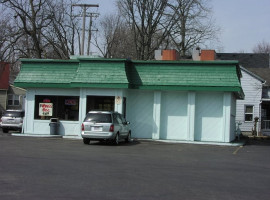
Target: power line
x=85 y=6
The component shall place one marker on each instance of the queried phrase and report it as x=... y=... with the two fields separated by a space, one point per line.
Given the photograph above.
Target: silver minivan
x=105 y=126
x=12 y=120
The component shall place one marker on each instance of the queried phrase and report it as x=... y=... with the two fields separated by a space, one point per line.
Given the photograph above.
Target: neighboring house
x=4 y=85
x=11 y=97
x=265 y=101
x=256 y=86
x=250 y=107
x=179 y=100
x=15 y=98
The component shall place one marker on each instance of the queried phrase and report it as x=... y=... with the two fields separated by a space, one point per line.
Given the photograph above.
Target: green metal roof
x=81 y=72
x=46 y=73
x=102 y=73
x=184 y=74
x=120 y=73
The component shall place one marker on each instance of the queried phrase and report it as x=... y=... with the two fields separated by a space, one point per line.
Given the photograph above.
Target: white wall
x=140 y=113
x=209 y=116
x=174 y=115
x=200 y=116
x=32 y=126
x=233 y=117
x=252 y=88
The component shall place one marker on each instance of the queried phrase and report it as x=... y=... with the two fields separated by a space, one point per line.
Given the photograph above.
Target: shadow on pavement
x=258 y=141
x=110 y=143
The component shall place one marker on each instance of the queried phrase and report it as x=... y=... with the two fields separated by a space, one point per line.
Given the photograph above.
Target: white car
x=12 y=120
x=104 y=126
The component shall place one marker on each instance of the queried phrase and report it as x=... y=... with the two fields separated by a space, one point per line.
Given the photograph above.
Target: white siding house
x=249 y=108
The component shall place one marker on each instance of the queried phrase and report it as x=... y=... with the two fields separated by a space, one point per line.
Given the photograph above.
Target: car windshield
x=13 y=114
x=98 y=118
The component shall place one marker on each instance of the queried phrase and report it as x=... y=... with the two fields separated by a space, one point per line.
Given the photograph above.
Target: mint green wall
x=140 y=113
x=41 y=127
x=67 y=128
x=199 y=116
x=174 y=115
x=209 y=117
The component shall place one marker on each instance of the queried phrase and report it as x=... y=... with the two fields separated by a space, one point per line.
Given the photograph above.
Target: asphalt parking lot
x=54 y=168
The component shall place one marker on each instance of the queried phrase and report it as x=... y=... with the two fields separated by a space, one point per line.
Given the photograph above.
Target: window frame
x=62 y=111
x=13 y=99
x=247 y=113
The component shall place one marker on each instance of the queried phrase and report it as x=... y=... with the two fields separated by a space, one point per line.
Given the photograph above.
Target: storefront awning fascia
x=236 y=90
x=41 y=85
x=100 y=85
x=69 y=86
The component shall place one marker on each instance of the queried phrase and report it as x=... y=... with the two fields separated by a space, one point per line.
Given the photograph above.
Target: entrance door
x=96 y=103
x=265 y=113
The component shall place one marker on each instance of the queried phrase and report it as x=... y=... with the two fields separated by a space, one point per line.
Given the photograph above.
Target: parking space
x=53 y=168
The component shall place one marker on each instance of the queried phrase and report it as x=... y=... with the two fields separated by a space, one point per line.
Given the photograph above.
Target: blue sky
x=243 y=23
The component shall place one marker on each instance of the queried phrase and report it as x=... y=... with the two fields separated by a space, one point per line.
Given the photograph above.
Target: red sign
x=70 y=102
x=46 y=101
x=45 y=109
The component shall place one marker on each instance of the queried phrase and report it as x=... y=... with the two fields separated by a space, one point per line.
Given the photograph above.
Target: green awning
x=121 y=73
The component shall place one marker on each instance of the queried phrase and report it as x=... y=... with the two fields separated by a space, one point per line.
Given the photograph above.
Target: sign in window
x=61 y=107
x=45 y=109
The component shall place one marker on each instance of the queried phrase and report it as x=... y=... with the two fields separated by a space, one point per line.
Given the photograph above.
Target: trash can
x=54 y=126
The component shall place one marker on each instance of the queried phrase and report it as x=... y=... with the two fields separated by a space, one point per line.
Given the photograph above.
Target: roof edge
x=214 y=62
x=252 y=74
x=27 y=60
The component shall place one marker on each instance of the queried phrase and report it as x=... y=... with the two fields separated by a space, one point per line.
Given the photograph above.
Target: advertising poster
x=45 y=109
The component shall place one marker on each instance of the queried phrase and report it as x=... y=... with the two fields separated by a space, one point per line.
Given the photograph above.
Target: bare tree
x=42 y=28
x=32 y=17
x=115 y=39
x=262 y=47
x=193 y=24
x=61 y=35
x=149 y=23
x=180 y=24
x=5 y=37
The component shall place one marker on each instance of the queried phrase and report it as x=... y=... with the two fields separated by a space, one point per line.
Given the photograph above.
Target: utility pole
x=90 y=30
x=84 y=6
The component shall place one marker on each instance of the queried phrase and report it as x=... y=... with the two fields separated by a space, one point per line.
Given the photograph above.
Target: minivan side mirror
x=126 y=123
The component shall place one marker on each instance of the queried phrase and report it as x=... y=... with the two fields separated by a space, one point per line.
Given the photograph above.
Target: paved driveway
x=43 y=168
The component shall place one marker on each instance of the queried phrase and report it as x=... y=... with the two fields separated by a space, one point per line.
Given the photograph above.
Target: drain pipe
x=259 y=128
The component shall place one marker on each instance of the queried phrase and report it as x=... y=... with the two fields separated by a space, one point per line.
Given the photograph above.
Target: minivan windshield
x=13 y=114
x=98 y=118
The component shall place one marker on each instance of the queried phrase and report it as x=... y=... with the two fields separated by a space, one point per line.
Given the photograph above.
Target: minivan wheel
x=116 y=139
x=86 y=140
x=5 y=130
x=128 y=139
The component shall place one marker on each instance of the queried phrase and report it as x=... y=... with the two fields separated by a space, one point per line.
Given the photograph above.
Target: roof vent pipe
x=196 y=54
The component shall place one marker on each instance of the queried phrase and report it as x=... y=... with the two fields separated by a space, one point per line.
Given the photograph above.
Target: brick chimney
x=207 y=55
x=168 y=54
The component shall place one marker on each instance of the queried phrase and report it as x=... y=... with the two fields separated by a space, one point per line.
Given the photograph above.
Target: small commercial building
x=171 y=100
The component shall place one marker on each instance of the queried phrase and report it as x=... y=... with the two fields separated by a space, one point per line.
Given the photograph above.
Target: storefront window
x=105 y=103
x=62 y=107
